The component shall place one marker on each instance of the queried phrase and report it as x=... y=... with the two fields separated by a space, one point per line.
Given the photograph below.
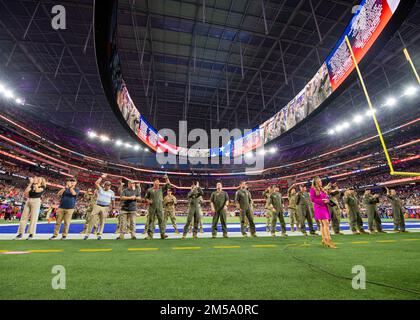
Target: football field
x=235 y=268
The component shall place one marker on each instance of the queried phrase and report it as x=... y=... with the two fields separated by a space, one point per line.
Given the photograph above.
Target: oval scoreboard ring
x=371 y=26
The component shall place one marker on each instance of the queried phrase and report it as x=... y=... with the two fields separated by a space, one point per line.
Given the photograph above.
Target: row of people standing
x=160 y=208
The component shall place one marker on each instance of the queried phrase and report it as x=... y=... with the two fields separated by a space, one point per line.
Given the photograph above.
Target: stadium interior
x=215 y=64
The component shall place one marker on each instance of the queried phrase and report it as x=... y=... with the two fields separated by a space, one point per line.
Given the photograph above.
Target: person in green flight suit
x=200 y=221
x=351 y=205
x=154 y=197
x=165 y=189
x=146 y=223
x=268 y=213
x=304 y=211
x=334 y=207
x=292 y=210
x=219 y=201
x=194 y=208
x=397 y=210
x=243 y=202
x=374 y=221
x=275 y=203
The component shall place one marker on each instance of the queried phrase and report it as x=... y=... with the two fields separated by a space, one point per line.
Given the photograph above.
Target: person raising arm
x=33 y=192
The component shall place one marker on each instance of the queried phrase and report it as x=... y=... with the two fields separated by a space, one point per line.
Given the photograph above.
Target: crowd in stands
x=283 y=158
x=14 y=174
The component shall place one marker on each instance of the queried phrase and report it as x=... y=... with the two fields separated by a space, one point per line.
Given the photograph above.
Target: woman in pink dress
x=320 y=200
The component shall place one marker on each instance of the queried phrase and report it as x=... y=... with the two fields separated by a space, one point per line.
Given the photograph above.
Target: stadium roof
x=191 y=63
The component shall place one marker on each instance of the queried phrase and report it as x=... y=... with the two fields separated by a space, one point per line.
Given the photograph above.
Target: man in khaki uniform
x=200 y=222
x=294 y=220
x=129 y=198
x=374 y=221
x=333 y=207
x=194 y=208
x=275 y=203
x=165 y=188
x=169 y=202
x=219 y=201
x=90 y=198
x=397 y=210
x=353 y=212
x=154 y=197
x=243 y=202
x=146 y=222
x=268 y=213
x=304 y=206
x=119 y=217
x=66 y=208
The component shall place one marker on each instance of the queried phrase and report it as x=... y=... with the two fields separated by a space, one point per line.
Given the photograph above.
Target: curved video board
x=363 y=31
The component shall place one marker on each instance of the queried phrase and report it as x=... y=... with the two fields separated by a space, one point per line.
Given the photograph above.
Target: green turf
x=209 y=273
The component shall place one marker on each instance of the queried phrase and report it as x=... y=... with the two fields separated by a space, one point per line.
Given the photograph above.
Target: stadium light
x=248 y=154
x=390 y=102
x=261 y=152
x=118 y=142
x=357 y=118
x=272 y=150
x=146 y=149
x=92 y=134
x=104 y=138
x=137 y=148
x=127 y=145
x=370 y=113
x=345 y=125
x=410 y=91
x=339 y=128
x=8 y=94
